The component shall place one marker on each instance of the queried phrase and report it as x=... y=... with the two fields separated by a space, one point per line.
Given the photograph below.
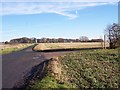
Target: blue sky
x=56 y=19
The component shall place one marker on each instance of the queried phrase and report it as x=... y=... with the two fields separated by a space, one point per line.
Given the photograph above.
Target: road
x=15 y=65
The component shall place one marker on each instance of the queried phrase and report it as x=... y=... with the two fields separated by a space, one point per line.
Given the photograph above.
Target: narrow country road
x=16 y=64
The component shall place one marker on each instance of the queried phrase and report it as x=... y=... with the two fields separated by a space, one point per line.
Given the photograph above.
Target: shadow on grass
x=37 y=72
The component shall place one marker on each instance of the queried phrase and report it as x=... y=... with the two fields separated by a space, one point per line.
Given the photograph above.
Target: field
x=57 y=46
x=83 y=69
x=92 y=69
x=7 y=48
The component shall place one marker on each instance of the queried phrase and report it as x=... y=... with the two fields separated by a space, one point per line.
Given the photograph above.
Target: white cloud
x=67 y=9
x=60 y=0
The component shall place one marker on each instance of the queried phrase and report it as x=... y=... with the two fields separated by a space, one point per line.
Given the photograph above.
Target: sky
x=56 y=19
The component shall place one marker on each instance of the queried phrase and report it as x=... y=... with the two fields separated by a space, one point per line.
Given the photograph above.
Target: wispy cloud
x=67 y=9
x=60 y=0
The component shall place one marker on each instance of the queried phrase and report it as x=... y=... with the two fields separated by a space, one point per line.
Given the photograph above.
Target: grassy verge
x=84 y=69
x=13 y=48
x=48 y=82
x=65 y=46
x=92 y=69
x=52 y=78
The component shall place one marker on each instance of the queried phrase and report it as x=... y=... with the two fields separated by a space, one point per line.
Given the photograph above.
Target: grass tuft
x=49 y=82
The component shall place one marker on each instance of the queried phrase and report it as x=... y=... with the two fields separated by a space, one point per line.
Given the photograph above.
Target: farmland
x=98 y=68
x=64 y=46
x=92 y=69
x=83 y=69
x=8 y=48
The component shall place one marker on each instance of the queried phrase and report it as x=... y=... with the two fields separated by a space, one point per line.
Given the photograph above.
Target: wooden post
x=104 y=42
x=36 y=41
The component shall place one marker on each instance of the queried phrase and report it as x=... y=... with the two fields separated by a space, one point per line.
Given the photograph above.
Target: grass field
x=8 y=48
x=92 y=69
x=53 y=46
x=84 y=69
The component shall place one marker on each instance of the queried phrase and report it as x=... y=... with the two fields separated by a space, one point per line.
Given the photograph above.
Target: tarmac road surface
x=16 y=64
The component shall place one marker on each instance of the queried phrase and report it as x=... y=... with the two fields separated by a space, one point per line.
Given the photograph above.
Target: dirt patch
x=54 y=68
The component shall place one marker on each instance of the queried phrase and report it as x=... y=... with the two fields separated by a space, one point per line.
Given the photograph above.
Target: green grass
x=84 y=69
x=8 y=50
x=49 y=82
x=12 y=49
x=92 y=68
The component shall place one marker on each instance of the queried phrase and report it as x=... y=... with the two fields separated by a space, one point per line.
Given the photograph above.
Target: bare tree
x=83 y=38
x=113 y=33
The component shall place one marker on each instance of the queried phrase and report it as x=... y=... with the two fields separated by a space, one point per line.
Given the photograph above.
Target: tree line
x=52 y=40
x=112 y=32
